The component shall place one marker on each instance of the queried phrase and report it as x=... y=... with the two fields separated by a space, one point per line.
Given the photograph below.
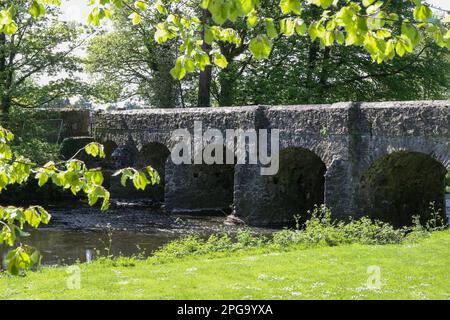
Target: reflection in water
x=89 y=255
x=67 y=247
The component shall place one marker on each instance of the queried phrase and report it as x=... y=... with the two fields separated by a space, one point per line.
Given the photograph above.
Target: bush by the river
x=319 y=230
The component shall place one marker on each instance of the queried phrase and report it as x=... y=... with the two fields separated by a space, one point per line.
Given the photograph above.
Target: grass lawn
x=409 y=271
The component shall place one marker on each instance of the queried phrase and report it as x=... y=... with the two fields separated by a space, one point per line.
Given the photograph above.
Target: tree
x=301 y=71
x=36 y=48
x=374 y=25
x=127 y=63
x=224 y=30
x=378 y=27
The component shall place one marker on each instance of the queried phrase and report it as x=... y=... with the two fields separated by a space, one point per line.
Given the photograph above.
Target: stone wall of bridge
x=353 y=157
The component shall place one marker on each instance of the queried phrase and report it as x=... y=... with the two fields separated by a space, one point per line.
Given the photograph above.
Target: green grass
x=408 y=271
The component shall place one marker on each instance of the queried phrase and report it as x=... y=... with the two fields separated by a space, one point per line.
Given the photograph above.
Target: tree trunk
x=205 y=78
x=226 y=98
x=6 y=105
x=5 y=98
x=323 y=77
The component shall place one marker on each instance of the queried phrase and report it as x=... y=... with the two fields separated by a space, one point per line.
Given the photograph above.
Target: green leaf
x=179 y=71
x=10 y=28
x=154 y=176
x=204 y=4
x=400 y=48
x=142 y=5
x=316 y=30
x=161 y=7
x=390 y=49
x=367 y=3
x=93 y=197
x=220 y=60
x=245 y=6
x=95 y=149
x=209 y=36
x=272 y=32
x=287 y=27
x=322 y=3
x=136 y=18
x=42 y=178
x=36 y=9
x=288 y=6
x=260 y=47
x=32 y=217
x=252 y=19
x=219 y=10
x=202 y=60
x=422 y=13
x=189 y=65
x=300 y=27
x=95 y=177
x=340 y=38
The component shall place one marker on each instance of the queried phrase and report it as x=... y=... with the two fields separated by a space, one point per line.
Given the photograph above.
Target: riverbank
x=407 y=271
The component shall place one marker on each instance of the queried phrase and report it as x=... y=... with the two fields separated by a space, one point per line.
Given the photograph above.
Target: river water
x=81 y=233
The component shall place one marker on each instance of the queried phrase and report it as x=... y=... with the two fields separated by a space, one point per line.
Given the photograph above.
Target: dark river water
x=83 y=233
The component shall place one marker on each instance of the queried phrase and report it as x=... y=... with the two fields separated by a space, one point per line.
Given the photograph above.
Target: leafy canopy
x=371 y=24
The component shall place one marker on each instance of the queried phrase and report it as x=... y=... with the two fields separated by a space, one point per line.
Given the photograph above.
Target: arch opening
x=110 y=147
x=298 y=186
x=107 y=163
x=401 y=185
x=156 y=155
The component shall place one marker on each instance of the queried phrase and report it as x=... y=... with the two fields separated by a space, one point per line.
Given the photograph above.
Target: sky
x=76 y=10
x=444 y=4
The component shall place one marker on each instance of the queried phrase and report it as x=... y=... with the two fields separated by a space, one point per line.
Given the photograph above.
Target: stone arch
x=401 y=184
x=322 y=147
x=437 y=149
x=298 y=186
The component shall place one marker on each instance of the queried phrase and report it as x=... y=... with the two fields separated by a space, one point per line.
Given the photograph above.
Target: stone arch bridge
x=386 y=159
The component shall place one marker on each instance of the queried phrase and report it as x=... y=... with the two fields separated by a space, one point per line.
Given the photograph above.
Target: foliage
x=318 y=230
x=36 y=135
x=72 y=175
x=374 y=25
x=127 y=63
x=39 y=48
x=300 y=72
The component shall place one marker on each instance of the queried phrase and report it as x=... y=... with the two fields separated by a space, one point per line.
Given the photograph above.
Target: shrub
x=318 y=230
